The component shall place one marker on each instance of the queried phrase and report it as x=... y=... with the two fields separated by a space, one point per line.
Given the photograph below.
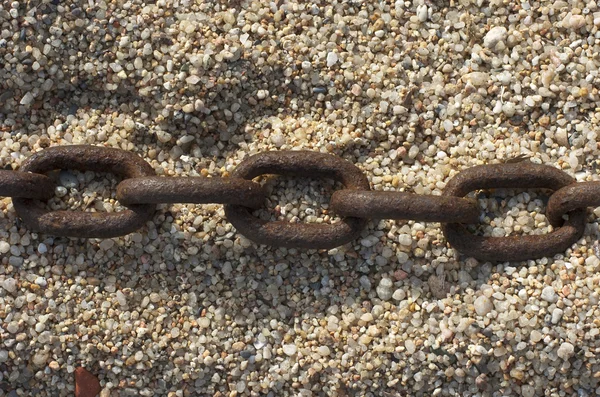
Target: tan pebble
x=238 y=346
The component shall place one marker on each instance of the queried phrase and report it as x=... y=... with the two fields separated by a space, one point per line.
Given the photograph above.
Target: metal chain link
x=302 y=235
x=140 y=191
x=85 y=224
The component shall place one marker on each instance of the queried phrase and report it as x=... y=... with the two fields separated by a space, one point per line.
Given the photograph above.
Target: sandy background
x=411 y=92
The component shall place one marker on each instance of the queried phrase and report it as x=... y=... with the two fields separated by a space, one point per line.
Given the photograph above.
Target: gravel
x=410 y=92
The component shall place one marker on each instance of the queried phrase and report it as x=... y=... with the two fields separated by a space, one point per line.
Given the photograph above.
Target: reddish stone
x=86 y=384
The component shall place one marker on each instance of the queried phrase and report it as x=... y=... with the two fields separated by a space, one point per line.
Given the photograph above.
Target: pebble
x=10 y=285
x=40 y=358
x=574 y=22
x=194 y=88
x=332 y=59
x=324 y=351
x=549 y=295
x=536 y=336
x=86 y=384
x=12 y=327
x=67 y=179
x=121 y=298
x=556 y=315
x=399 y=295
x=289 y=350
x=422 y=12
x=384 y=289
x=410 y=346
x=4 y=247
x=41 y=281
x=262 y=94
x=565 y=351
x=365 y=283
x=483 y=305
x=482 y=382
x=106 y=244
x=494 y=36
x=405 y=240
x=477 y=78
x=527 y=391
x=27 y=99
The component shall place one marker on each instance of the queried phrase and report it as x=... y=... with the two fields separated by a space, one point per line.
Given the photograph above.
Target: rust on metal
x=25 y=185
x=401 y=205
x=303 y=164
x=85 y=224
x=141 y=190
x=512 y=248
x=570 y=198
x=197 y=190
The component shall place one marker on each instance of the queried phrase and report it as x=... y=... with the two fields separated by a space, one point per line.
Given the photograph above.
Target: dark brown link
x=401 y=205
x=85 y=224
x=569 y=198
x=25 y=185
x=303 y=164
x=197 y=190
x=512 y=248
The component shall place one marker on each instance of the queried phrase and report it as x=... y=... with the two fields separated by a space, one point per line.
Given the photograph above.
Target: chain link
x=140 y=191
x=303 y=164
x=85 y=224
x=512 y=248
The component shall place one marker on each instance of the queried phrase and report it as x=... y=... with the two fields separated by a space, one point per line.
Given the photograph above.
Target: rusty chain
x=140 y=190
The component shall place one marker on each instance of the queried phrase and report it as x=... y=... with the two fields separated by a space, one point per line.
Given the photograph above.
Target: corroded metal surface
x=141 y=190
x=85 y=224
x=400 y=205
x=197 y=190
x=571 y=198
x=25 y=185
x=303 y=164
x=512 y=248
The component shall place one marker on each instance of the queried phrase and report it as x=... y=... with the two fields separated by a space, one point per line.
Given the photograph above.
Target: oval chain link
x=512 y=248
x=85 y=224
x=303 y=164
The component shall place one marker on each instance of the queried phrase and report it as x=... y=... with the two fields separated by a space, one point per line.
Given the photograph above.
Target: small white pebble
x=332 y=59
x=384 y=289
x=494 y=36
x=10 y=285
x=289 y=350
x=549 y=295
x=107 y=244
x=324 y=351
x=565 y=351
x=483 y=305
x=27 y=99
